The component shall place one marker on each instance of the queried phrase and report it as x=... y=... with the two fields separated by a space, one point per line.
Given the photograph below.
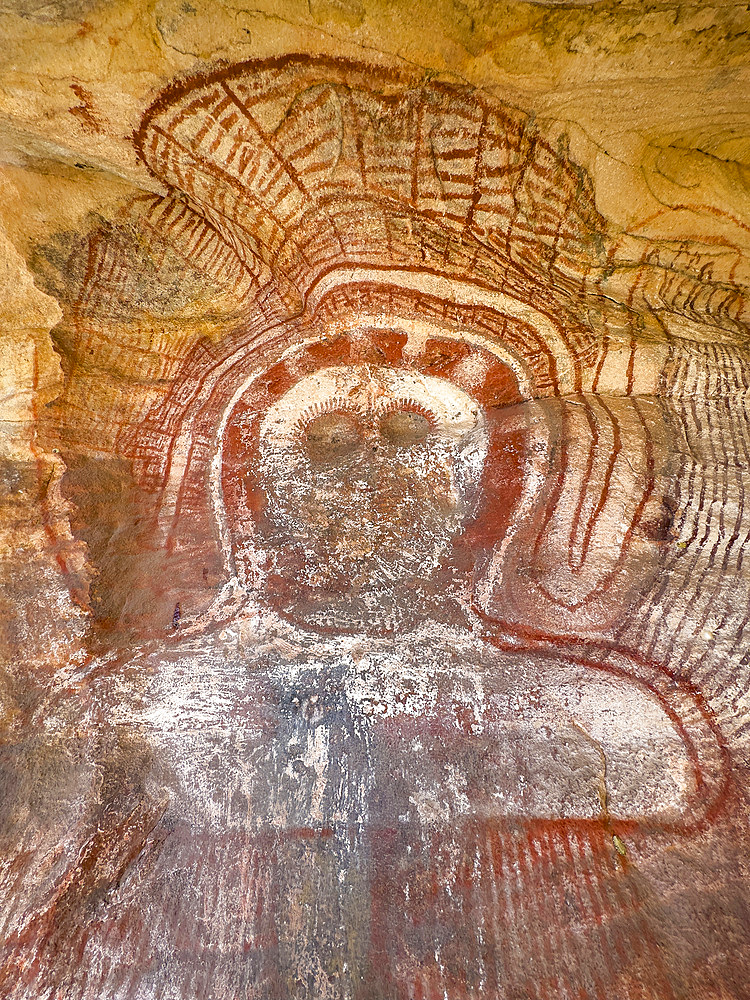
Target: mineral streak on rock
x=399 y=559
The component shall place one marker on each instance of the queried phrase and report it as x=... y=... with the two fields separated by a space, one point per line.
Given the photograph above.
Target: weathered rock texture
x=374 y=450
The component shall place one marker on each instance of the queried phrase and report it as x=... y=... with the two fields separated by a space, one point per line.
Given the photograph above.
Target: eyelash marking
x=409 y=405
x=336 y=404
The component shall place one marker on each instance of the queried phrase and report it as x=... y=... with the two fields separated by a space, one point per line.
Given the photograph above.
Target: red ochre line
x=420 y=269
x=518 y=638
x=550 y=860
x=606 y=582
x=554 y=494
x=585 y=480
x=242 y=357
x=594 y=516
x=223 y=76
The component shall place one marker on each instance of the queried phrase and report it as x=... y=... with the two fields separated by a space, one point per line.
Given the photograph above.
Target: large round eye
x=404 y=428
x=331 y=436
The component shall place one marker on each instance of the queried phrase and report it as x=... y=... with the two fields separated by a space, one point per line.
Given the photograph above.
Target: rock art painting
x=406 y=643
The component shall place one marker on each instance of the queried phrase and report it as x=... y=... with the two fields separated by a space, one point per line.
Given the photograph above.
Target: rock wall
x=374 y=449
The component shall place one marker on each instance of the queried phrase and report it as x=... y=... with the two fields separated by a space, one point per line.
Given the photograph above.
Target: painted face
x=368 y=473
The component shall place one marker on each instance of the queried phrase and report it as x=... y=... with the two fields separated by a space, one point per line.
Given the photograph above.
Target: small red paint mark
x=85 y=110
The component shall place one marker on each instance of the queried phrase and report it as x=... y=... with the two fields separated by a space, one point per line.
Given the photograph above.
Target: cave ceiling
x=373 y=455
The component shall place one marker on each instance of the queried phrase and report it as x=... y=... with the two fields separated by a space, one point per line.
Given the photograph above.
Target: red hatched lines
x=434 y=126
x=546 y=911
x=562 y=529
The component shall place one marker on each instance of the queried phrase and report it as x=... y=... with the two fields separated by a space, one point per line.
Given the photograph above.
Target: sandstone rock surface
x=373 y=450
